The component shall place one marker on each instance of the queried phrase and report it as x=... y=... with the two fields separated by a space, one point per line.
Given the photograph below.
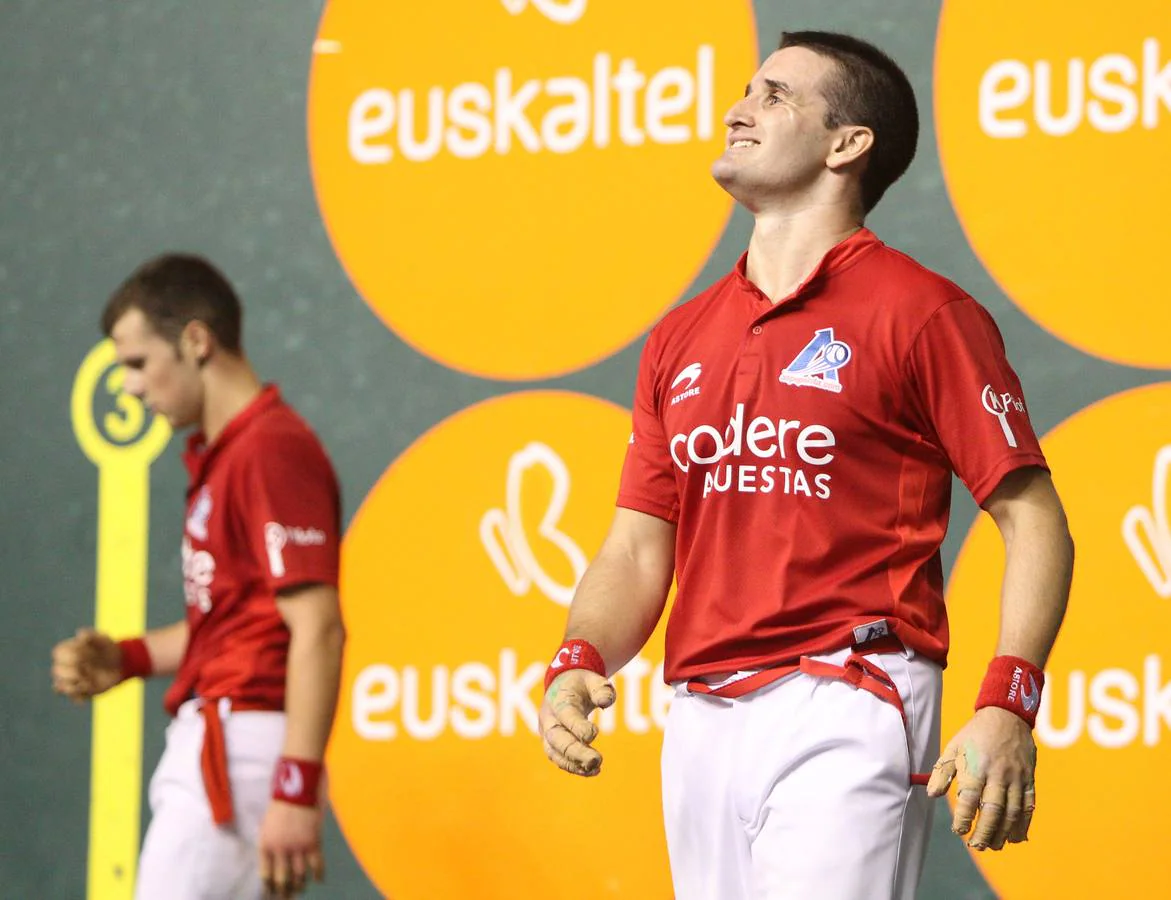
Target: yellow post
x=122 y=443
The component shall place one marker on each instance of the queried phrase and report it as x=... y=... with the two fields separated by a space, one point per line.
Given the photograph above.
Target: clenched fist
x=86 y=665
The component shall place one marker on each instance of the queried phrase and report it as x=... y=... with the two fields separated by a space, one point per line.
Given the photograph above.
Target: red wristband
x=575 y=654
x=296 y=781
x=1014 y=684
x=136 y=661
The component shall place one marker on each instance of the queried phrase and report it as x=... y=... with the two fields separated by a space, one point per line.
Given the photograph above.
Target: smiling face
x=164 y=376
x=778 y=145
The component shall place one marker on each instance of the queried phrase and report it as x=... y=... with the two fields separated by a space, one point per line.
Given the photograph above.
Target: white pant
x=185 y=855
x=800 y=790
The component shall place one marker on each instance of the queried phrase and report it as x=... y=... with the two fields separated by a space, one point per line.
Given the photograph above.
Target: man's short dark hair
x=174 y=289
x=867 y=89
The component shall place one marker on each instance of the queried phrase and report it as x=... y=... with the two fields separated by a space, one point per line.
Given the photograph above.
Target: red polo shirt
x=263 y=516
x=805 y=450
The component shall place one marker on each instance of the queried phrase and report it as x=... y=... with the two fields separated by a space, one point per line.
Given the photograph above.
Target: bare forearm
x=1037 y=572
x=167 y=646
x=311 y=686
x=618 y=604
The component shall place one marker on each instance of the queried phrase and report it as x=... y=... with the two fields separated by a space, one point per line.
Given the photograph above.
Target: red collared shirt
x=805 y=450
x=263 y=515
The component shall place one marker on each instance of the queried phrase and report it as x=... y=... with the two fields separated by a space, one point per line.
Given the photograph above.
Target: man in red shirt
x=236 y=798
x=796 y=427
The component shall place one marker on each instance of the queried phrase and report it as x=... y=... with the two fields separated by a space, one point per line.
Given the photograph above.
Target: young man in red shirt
x=236 y=798
x=796 y=427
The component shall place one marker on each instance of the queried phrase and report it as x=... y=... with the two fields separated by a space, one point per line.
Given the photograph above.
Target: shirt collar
x=838 y=258
x=199 y=453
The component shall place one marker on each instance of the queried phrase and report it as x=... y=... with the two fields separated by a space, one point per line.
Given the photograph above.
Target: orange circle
x=1104 y=726
x=1054 y=127
x=456 y=572
x=564 y=204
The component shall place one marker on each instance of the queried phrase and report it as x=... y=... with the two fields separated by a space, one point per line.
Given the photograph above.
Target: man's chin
x=728 y=176
x=177 y=422
x=724 y=173
x=723 y=169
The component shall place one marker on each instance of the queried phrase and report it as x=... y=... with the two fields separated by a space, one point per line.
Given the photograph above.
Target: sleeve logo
x=277 y=537
x=274 y=543
x=1000 y=405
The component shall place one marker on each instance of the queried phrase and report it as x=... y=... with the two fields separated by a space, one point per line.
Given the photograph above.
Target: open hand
x=566 y=730
x=992 y=759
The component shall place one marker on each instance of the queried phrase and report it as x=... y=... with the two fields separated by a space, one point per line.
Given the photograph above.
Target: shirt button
x=756 y=329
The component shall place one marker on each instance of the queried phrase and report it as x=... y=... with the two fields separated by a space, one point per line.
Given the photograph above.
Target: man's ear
x=196 y=342
x=851 y=144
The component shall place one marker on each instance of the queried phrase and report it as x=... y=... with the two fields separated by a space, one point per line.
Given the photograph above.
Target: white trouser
x=801 y=790
x=185 y=855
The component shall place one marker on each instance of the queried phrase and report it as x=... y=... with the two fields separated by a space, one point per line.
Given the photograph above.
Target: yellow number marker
x=123 y=444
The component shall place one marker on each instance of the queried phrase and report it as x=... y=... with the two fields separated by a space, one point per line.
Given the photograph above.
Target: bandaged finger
x=562 y=762
x=1020 y=831
x=990 y=816
x=566 y=745
x=1014 y=802
x=573 y=719
x=967 y=804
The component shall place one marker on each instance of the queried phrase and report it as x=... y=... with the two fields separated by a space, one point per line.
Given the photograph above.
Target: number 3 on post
x=122 y=440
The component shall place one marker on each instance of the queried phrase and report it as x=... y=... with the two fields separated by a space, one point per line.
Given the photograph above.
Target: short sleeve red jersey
x=805 y=451
x=263 y=515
